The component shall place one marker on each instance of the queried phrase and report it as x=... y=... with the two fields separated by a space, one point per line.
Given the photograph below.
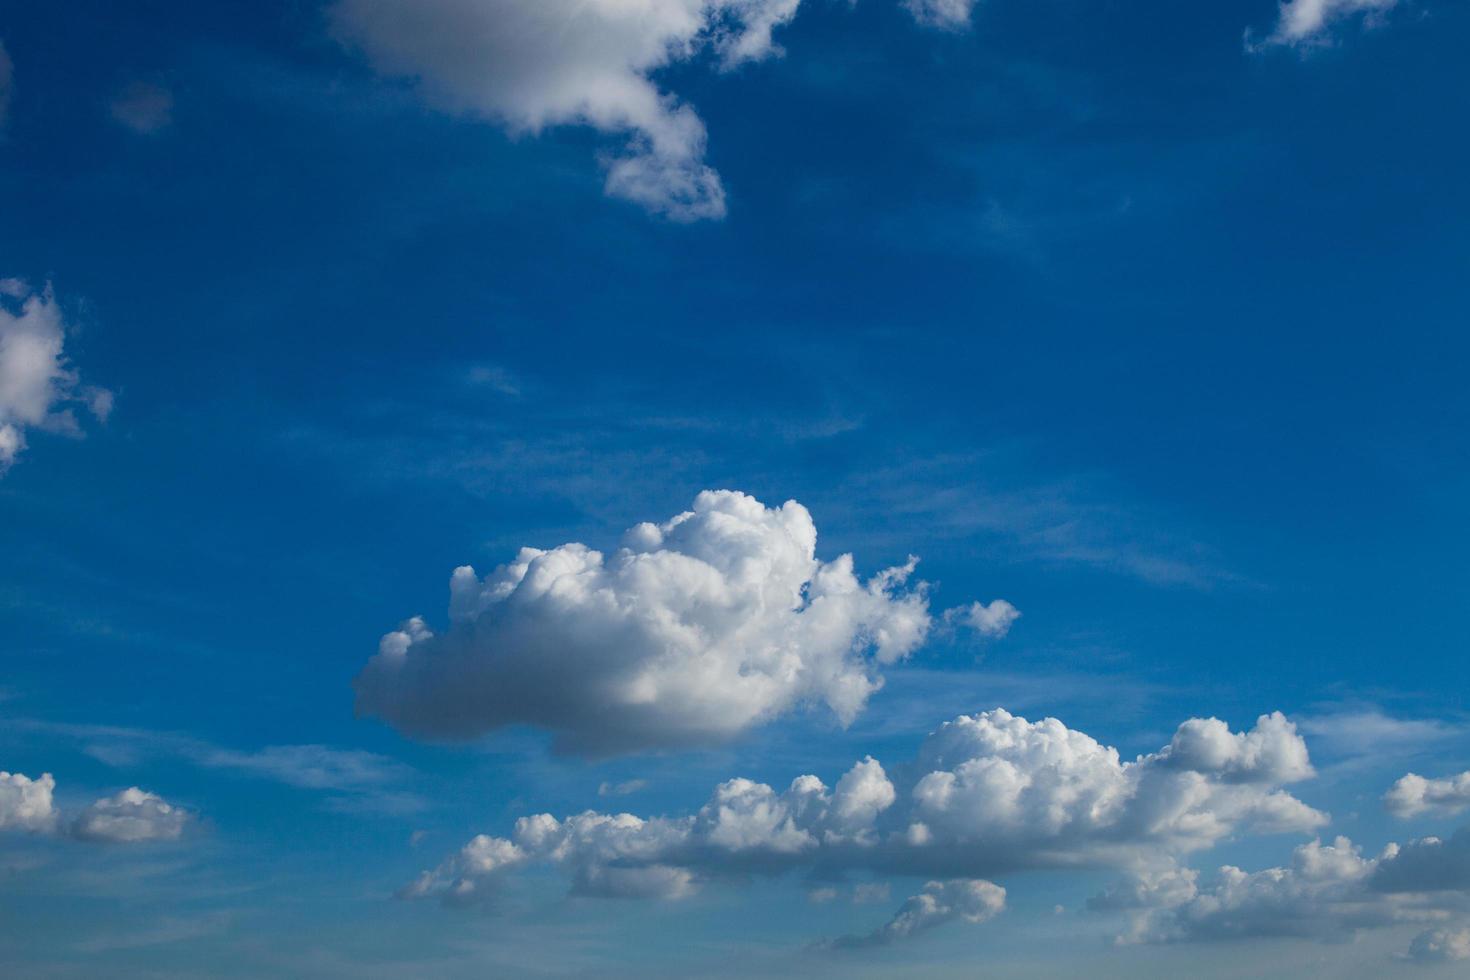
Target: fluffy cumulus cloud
x=1413 y=795
x=529 y=64
x=38 y=388
x=986 y=794
x=1310 y=22
x=964 y=899
x=130 y=817
x=693 y=631
x=26 y=804
x=1328 y=892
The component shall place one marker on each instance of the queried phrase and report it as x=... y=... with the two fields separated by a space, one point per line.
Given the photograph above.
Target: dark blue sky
x=1094 y=307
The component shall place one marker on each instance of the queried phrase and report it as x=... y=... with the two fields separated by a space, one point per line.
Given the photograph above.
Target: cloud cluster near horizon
x=986 y=794
x=1329 y=892
x=695 y=630
x=38 y=387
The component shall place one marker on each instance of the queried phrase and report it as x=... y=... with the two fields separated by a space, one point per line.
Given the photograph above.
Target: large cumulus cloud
x=986 y=794
x=694 y=630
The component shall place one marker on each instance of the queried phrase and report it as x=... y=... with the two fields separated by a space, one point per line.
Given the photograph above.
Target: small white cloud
x=1412 y=795
x=626 y=788
x=131 y=817
x=1310 y=22
x=970 y=900
x=143 y=107
x=694 y=631
x=38 y=388
x=27 y=804
x=952 y=15
x=991 y=620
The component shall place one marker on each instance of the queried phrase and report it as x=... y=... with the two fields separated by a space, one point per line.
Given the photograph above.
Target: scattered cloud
x=986 y=794
x=993 y=620
x=38 y=388
x=530 y=64
x=361 y=780
x=692 y=632
x=1329 y=892
x=1311 y=22
x=143 y=107
x=627 y=788
x=1441 y=945
x=967 y=899
x=951 y=15
x=26 y=804
x=130 y=817
x=1366 y=731
x=1412 y=795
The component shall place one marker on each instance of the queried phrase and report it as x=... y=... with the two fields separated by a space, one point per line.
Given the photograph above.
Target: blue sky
x=1147 y=321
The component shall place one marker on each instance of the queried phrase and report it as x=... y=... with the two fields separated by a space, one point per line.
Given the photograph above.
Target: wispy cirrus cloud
x=359 y=781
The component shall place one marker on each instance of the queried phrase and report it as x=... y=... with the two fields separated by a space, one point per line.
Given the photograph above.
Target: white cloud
x=969 y=899
x=1329 y=892
x=1309 y=22
x=529 y=64
x=143 y=107
x=1412 y=795
x=132 y=816
x=993 y=620
x=948 y=14
x=38 y=389
x=986 y=794
x=1441 y=945
x=26 y=804
x=692 y=632
x=626 y=788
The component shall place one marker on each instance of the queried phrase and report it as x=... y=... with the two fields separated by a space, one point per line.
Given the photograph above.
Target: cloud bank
x=695 y=630
x=38 y=388
x=986 y=794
